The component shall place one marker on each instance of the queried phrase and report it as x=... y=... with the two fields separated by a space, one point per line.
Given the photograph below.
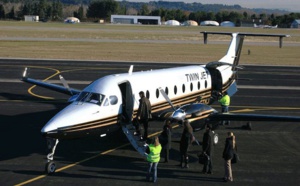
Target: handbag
x=235 y=158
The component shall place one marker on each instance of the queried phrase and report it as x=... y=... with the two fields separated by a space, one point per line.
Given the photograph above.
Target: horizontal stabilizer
x=205 y=34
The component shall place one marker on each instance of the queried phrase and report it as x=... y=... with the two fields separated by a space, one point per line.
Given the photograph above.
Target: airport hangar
x=135 y=19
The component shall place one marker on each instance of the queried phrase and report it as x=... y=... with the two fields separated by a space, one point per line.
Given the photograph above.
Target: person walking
x=186 y=139
x=166 y=138
x=153 y=157
x=230 y=146
x=207 y=149
x=224 y=100
x=144 y=113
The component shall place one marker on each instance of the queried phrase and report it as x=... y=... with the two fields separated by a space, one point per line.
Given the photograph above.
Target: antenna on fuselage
x=130 y=70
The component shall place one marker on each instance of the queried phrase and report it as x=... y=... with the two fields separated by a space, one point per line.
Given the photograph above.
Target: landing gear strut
x=51 y=165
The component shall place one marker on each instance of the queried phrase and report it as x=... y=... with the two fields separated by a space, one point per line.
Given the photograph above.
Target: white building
x=172 y=23
x=295 y=23
x=190 y=23
x=227 y=24
x=209 y=23
x=33 y=18
x=135 y=19
x=72 y=20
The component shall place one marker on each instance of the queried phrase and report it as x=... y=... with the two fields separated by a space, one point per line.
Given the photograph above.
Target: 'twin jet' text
x=195 y=76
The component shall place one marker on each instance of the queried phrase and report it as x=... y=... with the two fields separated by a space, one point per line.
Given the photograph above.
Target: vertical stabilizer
x=234 y=51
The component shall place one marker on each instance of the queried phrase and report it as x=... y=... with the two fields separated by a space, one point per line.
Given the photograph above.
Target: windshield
x=90 y=97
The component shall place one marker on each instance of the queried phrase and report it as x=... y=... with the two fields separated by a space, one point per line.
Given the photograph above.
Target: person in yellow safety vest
x=225 y=102
x=153 y=151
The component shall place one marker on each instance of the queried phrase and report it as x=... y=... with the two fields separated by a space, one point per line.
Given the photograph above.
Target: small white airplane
x=110 y=102
x=264 y=26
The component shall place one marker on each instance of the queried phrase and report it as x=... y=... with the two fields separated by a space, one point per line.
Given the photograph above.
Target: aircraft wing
x=54 y=87
x=252 y=117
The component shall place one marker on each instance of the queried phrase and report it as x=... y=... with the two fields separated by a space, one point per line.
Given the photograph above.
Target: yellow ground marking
x=82 y=161
x=30 y=89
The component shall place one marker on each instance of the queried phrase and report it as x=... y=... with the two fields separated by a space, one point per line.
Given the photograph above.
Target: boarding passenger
x=187 y=138
x=144 y=113
x=153 y=151
x=207 y=149
x=230 y=146
x=165 y=139
x=224 y=100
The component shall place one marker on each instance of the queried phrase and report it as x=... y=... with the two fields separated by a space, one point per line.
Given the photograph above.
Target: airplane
x=111 y=102
x=264 y=26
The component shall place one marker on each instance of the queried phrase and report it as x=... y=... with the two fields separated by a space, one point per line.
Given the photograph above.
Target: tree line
x=102 y=9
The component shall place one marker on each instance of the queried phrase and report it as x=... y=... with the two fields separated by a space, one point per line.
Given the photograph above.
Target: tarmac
x=269 y=153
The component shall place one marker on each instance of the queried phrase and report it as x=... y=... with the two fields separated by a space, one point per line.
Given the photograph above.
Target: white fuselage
x=182 y=84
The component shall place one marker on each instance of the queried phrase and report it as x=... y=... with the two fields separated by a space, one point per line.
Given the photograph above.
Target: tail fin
x=234 y=51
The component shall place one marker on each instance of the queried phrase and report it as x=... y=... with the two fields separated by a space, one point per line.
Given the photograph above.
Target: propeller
x=64 y=82
x=193 y=109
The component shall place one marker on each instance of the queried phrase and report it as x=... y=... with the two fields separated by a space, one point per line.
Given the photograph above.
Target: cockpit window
x=90 y=97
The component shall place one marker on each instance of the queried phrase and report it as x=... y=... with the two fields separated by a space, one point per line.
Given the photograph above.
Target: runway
x=270 y=153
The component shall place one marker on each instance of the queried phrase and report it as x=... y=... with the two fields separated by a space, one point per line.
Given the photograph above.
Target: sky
x=290 y=5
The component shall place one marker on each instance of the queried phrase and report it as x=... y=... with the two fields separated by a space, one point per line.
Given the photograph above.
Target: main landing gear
x=51 y=165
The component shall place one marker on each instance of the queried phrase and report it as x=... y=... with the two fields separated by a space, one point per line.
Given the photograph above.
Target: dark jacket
x=207 y=144
x=144 y=110
x=165 y=137
x=228 y=150
x=185 y=140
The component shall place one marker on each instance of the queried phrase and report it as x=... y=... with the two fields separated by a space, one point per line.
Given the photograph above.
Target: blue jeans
x=225 y=109
x=154 y=166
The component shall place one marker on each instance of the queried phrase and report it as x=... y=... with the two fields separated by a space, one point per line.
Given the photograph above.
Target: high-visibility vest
x=225 y=100
x=154 y=155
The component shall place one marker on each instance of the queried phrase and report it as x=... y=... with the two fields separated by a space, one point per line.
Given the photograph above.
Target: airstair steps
x=140 y=146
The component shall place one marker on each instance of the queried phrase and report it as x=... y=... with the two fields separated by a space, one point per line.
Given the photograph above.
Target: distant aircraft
x=264 y=26
x=111 y=102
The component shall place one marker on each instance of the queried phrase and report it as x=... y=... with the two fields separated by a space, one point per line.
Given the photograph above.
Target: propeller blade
x=64 y=82
x=166 y=97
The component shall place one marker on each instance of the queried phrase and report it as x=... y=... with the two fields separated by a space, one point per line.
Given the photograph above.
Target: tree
x=245 y=14
x=2 y=12
x=56 y=10
x=11 y=14
x=102 y=9
x=80 y=12
x=144 y=10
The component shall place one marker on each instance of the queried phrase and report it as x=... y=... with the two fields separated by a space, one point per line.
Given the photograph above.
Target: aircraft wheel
x=216 y=139
x=50 y=167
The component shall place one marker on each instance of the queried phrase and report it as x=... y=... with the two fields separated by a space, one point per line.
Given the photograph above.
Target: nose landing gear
x=51 y=165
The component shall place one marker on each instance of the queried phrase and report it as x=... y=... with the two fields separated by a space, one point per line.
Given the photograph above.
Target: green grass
x=13 y=45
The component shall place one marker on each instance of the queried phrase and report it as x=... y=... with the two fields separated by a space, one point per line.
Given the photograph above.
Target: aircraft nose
x=71 y=115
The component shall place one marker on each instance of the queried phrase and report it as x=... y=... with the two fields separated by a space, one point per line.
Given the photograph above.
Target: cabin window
x=183 y=88
x=167 y=90
x=175 y=89
x=205 y=84
x=157 y=93
x=113 y=100
x=191 y=87
x=148 y=94
x=198 y=85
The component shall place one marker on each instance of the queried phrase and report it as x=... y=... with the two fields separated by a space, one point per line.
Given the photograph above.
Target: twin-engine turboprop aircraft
x=181 y=93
